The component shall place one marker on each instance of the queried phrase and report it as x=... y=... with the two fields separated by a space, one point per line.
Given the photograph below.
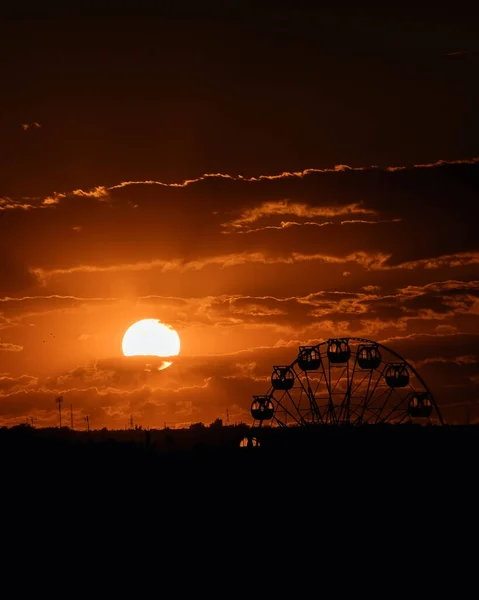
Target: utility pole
x=227 y=417
x=87 y=420
x=59 y=401
x=71 y=415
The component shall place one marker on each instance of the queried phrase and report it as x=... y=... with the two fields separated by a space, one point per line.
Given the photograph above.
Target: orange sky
x=292 y=238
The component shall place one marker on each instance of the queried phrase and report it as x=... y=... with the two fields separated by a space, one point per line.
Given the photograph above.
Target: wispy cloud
x=7 y=203
x=285 y=207
x=289 y=224
x=7 y=347
x=469 y=359
x=28 y=126
x=296 y=174
x=438 y=287
x=369 y=261
x=52 y=297
x=227 y=260
x=457 y=53
x=459 y=259
x=282 y=225
x=101 y=192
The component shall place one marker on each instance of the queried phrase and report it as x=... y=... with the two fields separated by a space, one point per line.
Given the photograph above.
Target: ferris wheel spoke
x=340 y=405
x=374 y=388
x=315 y=412
x=292 y=401
x=368 y=376
x=404 y=416
x=350 y=380
x=369 y=395
x=375 y=410
x=286 y=410
x=402 y=403
x=330 y=409
x=385 y=403
x=338 y=380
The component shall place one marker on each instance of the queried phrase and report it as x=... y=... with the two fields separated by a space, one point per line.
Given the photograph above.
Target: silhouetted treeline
x=411 y=445
x=156 y=440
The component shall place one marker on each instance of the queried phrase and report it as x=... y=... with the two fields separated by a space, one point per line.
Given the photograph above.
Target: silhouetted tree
x=197 y=426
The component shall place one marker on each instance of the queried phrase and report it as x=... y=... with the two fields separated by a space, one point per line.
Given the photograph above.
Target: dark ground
x=343 y=483
x=213 y=456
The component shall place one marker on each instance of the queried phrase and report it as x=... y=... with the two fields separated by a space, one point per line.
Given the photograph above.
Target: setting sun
x=150 y=337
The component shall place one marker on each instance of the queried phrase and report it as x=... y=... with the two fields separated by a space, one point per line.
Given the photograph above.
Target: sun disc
x=150 y=337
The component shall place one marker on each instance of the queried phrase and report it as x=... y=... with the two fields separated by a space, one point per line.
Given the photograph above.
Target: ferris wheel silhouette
x=347 y=380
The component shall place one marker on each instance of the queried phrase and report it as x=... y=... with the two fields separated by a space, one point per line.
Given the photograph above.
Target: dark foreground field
x=213 y=456
x=323 y=480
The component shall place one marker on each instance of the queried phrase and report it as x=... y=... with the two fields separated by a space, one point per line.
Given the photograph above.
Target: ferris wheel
x=345 y=381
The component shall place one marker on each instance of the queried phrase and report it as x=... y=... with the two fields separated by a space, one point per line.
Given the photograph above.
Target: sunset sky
x=257 y=178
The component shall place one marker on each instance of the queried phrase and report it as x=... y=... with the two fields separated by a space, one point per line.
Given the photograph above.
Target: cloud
x=282 y=225
x=7 y=347
x=438 y=287
x=98 y=192
x=457 y=53
x=376 y=261
x=449 y=260
x=470 y=359
x=9 y=204
x=294 y=174
x=286 y=224
x=285 y=207
x=10 y=385
x=28 y=126
x=103 y=192
x=18 y=308
x=164 y=265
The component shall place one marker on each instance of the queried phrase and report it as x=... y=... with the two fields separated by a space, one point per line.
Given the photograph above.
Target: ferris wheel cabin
x=282 y=378
x=368 y=356
x=309 y=358
x=338 y=351
x=262 y=408
x=420 y=406
x=397 y=375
